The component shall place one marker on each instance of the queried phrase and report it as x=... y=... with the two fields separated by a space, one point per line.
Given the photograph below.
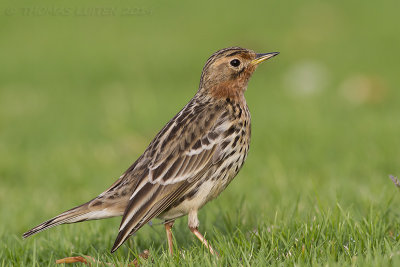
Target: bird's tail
x=110 y=203
x=92 y=210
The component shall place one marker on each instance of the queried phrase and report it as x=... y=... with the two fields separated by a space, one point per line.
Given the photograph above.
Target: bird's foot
x=196 y=232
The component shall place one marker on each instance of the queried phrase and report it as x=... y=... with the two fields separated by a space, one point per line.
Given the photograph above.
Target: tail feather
x=110 y=203
x=76 y=214
x=84 y=212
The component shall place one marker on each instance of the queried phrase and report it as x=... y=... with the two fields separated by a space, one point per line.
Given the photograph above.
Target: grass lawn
x=82 y=93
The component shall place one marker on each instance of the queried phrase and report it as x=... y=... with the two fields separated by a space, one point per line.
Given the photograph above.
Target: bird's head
x=227 y=72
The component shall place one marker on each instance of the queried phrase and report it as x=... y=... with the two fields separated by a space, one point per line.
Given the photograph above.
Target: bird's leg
x=196 y=232
x=193 y=223
x=168 y=227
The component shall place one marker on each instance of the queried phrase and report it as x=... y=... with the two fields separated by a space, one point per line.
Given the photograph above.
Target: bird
x=189 y=162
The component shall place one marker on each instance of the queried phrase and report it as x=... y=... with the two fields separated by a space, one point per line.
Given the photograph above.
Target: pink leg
x=196 y=232
x=168 y=227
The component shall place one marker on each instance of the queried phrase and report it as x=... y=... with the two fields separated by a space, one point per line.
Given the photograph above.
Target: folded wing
x=178 y=156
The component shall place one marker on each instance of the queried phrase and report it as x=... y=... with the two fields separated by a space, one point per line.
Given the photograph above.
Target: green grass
x=82 y=96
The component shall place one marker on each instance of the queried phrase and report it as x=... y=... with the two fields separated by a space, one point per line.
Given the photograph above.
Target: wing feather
x=179 y=159
x=166 y=195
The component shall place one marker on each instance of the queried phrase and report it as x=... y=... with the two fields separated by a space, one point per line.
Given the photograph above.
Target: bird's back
x=234 y=141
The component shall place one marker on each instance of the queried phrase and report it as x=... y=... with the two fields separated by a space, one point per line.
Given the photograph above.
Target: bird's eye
x=235 y=62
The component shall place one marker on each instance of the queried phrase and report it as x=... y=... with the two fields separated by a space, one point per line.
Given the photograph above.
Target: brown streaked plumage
x=189 y=162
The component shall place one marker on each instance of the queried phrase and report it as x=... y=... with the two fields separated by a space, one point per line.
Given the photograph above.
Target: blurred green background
x=84 y=86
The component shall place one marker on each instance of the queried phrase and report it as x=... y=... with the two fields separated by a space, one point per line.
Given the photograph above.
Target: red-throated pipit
x=189 y=162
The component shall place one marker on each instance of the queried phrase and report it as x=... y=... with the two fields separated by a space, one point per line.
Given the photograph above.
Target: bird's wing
x=180 y=154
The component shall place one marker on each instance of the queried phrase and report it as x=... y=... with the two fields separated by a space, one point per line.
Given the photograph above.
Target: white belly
x=208 y=190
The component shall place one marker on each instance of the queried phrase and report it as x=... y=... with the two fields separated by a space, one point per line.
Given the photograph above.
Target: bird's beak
x=262 y=57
